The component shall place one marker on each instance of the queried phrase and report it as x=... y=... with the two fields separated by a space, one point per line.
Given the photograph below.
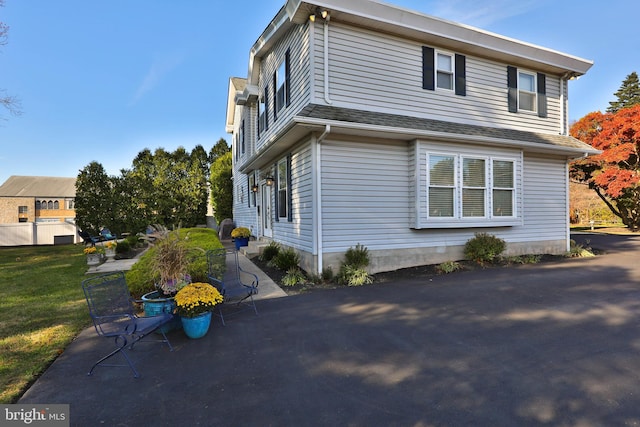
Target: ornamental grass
x=196 y=299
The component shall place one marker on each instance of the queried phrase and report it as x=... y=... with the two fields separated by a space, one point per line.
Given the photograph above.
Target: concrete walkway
x=553 y=344
x=267 y=288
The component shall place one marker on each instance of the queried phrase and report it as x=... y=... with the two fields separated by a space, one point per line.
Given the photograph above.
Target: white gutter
x=317 y=212
x=326 y=60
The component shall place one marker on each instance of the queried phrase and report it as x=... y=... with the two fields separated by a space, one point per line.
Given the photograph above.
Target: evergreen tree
x=222 y=187
x=221 y=148
x=94 y=199
x=628 y=95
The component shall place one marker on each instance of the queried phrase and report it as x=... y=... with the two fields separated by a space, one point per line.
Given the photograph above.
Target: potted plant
x=169 y=265
x=94 y=255
x=194 y=304
x=241 y=236
x=110 y=250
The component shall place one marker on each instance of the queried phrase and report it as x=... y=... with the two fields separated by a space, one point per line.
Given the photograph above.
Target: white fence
x=38 y=233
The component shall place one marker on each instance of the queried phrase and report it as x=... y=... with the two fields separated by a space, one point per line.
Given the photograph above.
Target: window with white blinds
x=469 y=187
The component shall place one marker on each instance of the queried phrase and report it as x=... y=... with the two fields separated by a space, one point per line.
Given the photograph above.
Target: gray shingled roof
x=38 y=186
x=347 y=115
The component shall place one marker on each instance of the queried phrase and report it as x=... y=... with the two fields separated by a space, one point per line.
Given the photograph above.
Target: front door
x=266 y=211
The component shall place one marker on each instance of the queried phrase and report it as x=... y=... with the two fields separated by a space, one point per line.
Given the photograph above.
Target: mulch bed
x=425 y=271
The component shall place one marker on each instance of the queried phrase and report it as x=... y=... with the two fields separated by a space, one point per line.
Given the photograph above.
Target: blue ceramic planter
x=241 y=241
x=154 y=305
x=196 y=327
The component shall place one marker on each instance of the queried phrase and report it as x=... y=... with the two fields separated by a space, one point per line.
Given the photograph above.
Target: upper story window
x=527 y=91
x=262 y=114
x=38 y=204
x=23 y=209
x=444 y=79
x=444 y=70
x=282 y=85
x=70 y=204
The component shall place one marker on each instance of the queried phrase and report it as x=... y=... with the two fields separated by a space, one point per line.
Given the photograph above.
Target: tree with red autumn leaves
x=615 y=173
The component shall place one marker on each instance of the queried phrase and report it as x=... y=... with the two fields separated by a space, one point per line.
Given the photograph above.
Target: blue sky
x=103 y=80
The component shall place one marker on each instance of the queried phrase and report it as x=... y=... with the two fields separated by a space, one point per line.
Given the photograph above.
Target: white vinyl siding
x=297 y=42
x=378 y=72
x=367 y=198
x=365 y=195
x=298 y=233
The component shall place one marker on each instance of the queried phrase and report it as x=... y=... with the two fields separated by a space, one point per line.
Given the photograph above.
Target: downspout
x=564 y=86
x=326 y=61
x=318 y=210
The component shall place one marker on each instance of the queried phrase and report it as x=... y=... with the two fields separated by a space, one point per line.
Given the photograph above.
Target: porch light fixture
x=269 y=181
x=319 y=13
x=254 y=188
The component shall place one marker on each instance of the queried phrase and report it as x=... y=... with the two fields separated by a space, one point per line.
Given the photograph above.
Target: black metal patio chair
x=112 y=311
x=236 y=285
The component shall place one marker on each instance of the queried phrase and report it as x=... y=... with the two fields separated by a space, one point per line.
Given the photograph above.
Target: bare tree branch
x=10 y=102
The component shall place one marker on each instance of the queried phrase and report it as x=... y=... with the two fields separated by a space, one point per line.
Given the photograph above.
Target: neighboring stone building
x=37 y=199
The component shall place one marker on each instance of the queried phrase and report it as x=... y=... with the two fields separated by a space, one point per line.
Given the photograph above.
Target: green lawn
x=43 y=309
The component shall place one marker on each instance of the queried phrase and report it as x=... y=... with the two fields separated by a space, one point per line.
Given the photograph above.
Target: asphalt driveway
x=548 y=344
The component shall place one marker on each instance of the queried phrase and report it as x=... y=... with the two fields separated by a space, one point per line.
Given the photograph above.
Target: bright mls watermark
x=34 y=415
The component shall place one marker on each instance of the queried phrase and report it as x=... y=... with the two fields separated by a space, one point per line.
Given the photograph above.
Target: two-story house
x=362 y=122
x=37 y=199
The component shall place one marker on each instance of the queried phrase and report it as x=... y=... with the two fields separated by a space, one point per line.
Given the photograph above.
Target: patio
x=539 y=344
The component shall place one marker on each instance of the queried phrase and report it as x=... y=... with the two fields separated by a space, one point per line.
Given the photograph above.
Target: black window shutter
x=512 y=83
x=289 y=192
x=275 y=96
x=461 y=75
x=428 y=70
x=275 y=185
x=266 y=107
x=287 y=73
x=242 y=143
x=542 y=95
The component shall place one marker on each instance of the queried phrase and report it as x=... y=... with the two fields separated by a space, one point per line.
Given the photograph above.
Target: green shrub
x=357 y=257
x=285 y=260
x=123 y=247
x=269 y=252
x=578 y=251
x=132 y=240
x=141 y=278
x=449 y=267
x=352 y=270
x=327 y=274
x=484 y=248
x=353 y=276
x=293 y=277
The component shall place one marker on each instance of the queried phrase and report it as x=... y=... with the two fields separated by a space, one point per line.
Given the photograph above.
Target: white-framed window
x=283 y=199
x=281 y=83
x=468 y=187
x=23 y=209
x=474 y=187
x=527 y=93
x=503 y=188
x=445 y=64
